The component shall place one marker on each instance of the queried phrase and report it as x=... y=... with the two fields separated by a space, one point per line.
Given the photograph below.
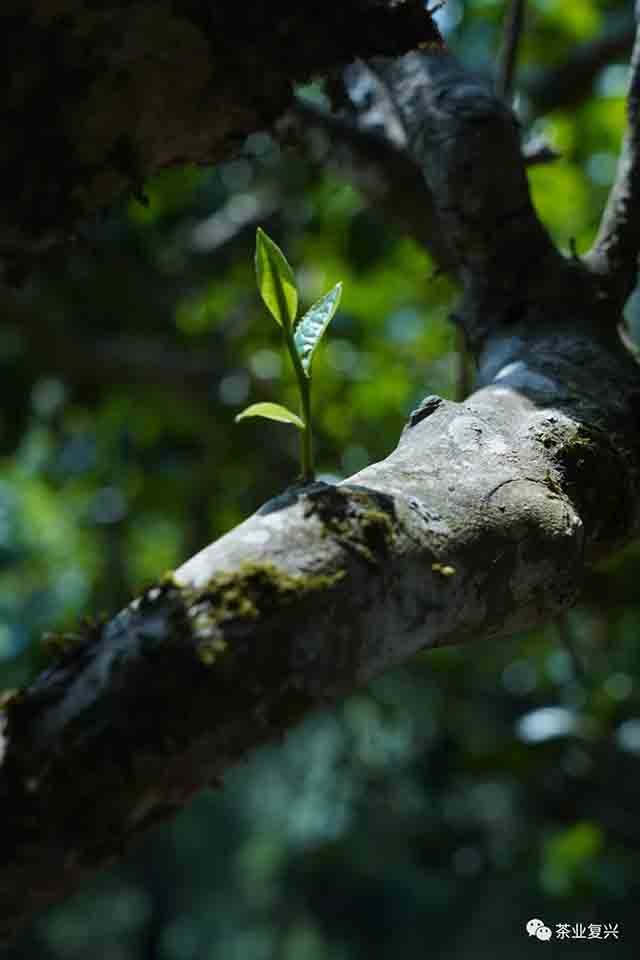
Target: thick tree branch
x=384 y=171
x=480 y=523
x=388 y=176
x=614 y=255
x=388 y=99
x=466 y=142
x=96 y=97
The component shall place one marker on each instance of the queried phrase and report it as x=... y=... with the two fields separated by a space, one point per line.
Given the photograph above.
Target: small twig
x=463 y=372
x=614 y=254
x=567 y=639
x=436 y=7
x=571 y=82
x=538 y=151
x=629 y=342
x=508 y=56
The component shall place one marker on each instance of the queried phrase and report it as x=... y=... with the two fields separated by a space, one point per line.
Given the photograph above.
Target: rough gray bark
x=481 y=522
x=95 y=97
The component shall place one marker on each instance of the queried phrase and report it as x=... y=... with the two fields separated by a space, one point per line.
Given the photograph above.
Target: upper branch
x=467 y=144
x=388 y=176
x=376 y=132
x=614 y=255
x=466 y=141
x=507 y=59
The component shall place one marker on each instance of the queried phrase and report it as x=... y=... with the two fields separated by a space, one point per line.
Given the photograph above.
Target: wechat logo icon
x=538 y=928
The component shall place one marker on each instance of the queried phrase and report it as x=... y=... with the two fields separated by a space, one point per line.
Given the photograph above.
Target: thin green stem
x=308 y=470
x=304 y=386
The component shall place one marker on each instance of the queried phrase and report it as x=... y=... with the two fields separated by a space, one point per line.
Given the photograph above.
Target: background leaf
x=313 y=325
x=271 y=411
x=276 y=282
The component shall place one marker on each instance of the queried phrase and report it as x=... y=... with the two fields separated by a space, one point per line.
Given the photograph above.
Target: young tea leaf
x=313 y=324
x=271 y=411
x=275 y=279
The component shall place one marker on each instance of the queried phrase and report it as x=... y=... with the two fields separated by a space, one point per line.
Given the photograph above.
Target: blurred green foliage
x=440 y=809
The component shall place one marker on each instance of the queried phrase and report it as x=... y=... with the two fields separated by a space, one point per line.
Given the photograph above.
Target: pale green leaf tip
x=276 y=281
x=272 y=411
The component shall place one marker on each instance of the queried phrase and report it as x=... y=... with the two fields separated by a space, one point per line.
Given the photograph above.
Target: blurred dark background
x=437 y=811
